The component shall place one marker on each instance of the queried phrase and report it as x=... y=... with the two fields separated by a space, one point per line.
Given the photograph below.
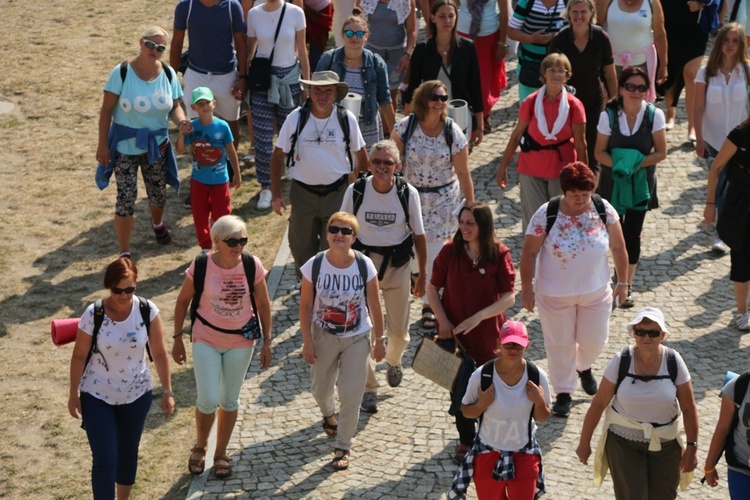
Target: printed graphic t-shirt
x=208 y=146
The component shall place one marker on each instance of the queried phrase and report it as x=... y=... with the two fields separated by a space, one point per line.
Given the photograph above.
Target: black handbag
x=259 y=73
x=529 y=74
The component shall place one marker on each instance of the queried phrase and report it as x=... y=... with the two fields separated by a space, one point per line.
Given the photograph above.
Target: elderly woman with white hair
x=643 y=390
x=228 y=291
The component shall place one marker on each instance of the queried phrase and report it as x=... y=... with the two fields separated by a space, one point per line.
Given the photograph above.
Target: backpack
x=199 y=278
x=554 y=206
x=625 y=356
x=447 y=132
x=649 y=116
x=740 y=389
x=402 y=191
x=145 y=310
x=304 y=115
x=124 y=70
x=361 y=265
x=532 y=371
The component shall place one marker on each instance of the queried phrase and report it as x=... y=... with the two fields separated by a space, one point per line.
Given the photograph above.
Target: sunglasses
x=153 y=45
x=643 y=333
x=512 y=346
x=439 y=97
x=119 y=291
x=632 y=87
x=352 y=34
x=233 y=242
x=387 y=163
x=346 y=231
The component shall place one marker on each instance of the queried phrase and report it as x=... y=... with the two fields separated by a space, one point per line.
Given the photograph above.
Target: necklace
x=649 y=373
x=320 y=132
x=475 y=262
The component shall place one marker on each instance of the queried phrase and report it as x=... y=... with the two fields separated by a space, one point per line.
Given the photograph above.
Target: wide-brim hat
x=328 y=78
x=654 y=315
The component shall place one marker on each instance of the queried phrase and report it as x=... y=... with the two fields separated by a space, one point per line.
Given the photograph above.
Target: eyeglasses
x=346 y=231
x=632 y=87
x=556 y=71
x=153 y=45
x=439 y=97
x=119 y=291
x=512 y=346
x=387 y=163
x=352 y=34
x=643 y=333
x=233 y=242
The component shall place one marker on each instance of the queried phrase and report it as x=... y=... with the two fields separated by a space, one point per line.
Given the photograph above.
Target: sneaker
x=562 y=405
x=264 y=200
x=742 y=321
x=394 y=376
x=588 y=382
x=163 y=236
x=187 y=203
x=628 y=302
x=370 y=402
x=719 y=247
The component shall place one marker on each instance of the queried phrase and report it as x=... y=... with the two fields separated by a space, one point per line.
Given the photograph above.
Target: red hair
x=119 y=270
x=577 y=176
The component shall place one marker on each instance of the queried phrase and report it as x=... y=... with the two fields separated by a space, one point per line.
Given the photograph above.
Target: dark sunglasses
x=387 y=163
x=439 y=97
x=346 y=231
x=643 y=333
x=512 y=346
x=118 y=291
x=153 y=45
x=352 y=34
x=632 y=87
x=233 y=242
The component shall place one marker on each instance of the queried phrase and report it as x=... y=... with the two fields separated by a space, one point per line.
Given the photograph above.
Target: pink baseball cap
x=514 y=331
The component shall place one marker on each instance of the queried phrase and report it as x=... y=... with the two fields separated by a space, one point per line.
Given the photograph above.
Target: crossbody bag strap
x=276 y=35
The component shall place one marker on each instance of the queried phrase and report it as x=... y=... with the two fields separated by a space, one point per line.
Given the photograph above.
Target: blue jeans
x=739 y=484
x=219 y=374
x=114 y=433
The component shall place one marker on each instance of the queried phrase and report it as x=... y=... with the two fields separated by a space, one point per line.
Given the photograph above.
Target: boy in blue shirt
x=211 y=142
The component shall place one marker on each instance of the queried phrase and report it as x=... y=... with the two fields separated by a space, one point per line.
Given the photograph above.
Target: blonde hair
x=345 y=218
x=714 y=58
x=555 y=59
x=422 y=96
x=154 y=31
x=592 y=8
x=226 y=227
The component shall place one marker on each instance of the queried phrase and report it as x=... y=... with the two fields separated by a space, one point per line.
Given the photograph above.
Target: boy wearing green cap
x=211 y=142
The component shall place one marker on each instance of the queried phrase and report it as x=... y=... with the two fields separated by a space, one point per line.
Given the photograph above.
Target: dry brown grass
x=56 y=237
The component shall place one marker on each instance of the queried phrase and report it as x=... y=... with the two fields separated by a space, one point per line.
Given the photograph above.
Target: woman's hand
x=541 y=37
x=308 y=352
x=178 y=351
x=74 y=405
x=378 y=351
x=712 y=478
x=185 y=127
x=584 y=452
x=661 y=73
x=420 y=285
x=467 y=325
x=619 y=294
x=403 y=63
x=709 y=214
x=265 y=355
x=689 y=460
x=102 y=154
x=501 y=51
x=446 y=329
x=167 y=405
x=502 y=176
x=486 y=397
x=527 y=299
x=477 y=136
x=700 y=149
x=535 y=393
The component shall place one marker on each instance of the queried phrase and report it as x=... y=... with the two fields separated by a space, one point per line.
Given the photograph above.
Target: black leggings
x=466 y=429
x=632 y=226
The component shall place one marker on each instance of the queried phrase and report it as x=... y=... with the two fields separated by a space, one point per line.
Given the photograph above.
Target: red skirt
x=491 y=71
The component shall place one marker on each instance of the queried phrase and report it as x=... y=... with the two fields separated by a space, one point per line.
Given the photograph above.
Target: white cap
x=654 y=315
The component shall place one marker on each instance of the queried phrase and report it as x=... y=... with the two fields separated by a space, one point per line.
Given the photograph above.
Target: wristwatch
x=692 y=443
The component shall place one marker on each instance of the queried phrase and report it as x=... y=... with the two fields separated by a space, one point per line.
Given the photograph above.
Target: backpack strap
x=650 y=111
x=362 y=266
x=552 y=208
x=248 y=263
x=622 y=371
x=358 y=194
x=302 y=117
x=410 y=124
x=402 y=191
x=145 y=310
x=735 y=10
x=164 y=67
x=346 y=129
x=448 y=133
x=316 y=272
x=532 y=371
x=199 y=277
x=98 y=320
x=671 y=364
x=600 y=208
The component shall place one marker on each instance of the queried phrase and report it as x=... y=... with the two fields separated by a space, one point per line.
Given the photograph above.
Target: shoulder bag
x=440 y=365
x=259 y=73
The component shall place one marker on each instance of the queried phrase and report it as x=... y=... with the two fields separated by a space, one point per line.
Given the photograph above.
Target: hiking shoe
x=742 y=320
x=588 y=382
x=562 y=405
x=394 y=376
x=163 y=236
x=719 y=247
x=628 y=302
x=370 y=402
x=264 y=200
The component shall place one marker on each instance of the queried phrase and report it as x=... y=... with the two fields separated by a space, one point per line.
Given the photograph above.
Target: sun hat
x=328 y=78
x=514 y=331
x=654 y=315
x=201 y=94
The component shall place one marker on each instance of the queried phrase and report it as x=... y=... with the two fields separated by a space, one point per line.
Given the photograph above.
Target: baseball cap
x=514 y=331
x=202 y=94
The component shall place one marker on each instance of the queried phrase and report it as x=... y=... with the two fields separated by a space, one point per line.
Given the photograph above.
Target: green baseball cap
x=201 y=94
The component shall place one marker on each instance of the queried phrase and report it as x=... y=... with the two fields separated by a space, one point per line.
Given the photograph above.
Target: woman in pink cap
x=509 y=395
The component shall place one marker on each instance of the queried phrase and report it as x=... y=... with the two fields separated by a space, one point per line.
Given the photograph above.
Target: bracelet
x=381 y=338
x=709 y=471
x=267 y=339
x=502 y=44
x=168 y=392
x=621 y=283
x=178 y=335
x=409 y=53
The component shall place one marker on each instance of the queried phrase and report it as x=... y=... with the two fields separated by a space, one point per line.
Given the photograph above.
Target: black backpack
x=740 y=389
x=361 y=265
x=447 y=132
x=554 y=205
x=622 y=371
x=304 y=115
x=532 y=371
x=145 y=310
x=402 y=191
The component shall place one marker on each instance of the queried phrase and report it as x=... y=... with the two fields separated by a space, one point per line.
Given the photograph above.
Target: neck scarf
x=562 y=114
x=476 y=8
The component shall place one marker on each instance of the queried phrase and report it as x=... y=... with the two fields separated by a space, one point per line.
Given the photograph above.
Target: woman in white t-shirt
x=568 y=263
x=339 y=305
x=110 y=380
x=641 y=437
x=509 y=408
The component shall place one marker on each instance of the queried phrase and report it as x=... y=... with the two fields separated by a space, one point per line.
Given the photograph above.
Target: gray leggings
x=126 y=174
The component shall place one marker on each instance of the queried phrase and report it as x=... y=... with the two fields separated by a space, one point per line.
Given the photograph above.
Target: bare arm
x=579 y=142
x=376 y=315
x=461 y=165
x=277 y=169
x=305 y=320
x=180 y=144
x=304 y=61
x=446 y=327
x=175 y=48
x=601 y=150
x=501 y=305
x=660 y=149
x=161 y=361
x=411 y=37
x=699 y=107
x=232 y=155
x=504 y=8
x=728 y=149
x=620 y=259
x=109 y=101
x=610 y=78
x=601 y=400
x=601 y=12
x=180 y=311
x=263 y=301
x=718 y=440
x=660 y=40
x=77 y=365
x=252 y=45
x=531 y=247
x=510 y=150
x=690 y=421
x=538 y=37
x=389 y=116
x=362 y=160
x=420 y=247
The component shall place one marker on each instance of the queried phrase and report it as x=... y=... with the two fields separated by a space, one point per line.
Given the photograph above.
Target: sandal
x=428 y=321
x=340 y=462
x=163 y=236
x=222 y=463
x=487 y=125
x=460 y=453
x=196 y=466
x=330 y=429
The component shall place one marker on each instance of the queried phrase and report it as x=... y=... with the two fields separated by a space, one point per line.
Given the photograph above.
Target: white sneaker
x=719 y=246
x=742 y=321
x=264 y=200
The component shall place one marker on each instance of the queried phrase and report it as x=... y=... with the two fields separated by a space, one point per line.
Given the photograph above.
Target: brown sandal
x=340 y=462
x=330 y=429
x=222 y=463
x=196 y=466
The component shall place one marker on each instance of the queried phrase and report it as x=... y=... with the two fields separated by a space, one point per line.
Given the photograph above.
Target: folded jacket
x=630 y=184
